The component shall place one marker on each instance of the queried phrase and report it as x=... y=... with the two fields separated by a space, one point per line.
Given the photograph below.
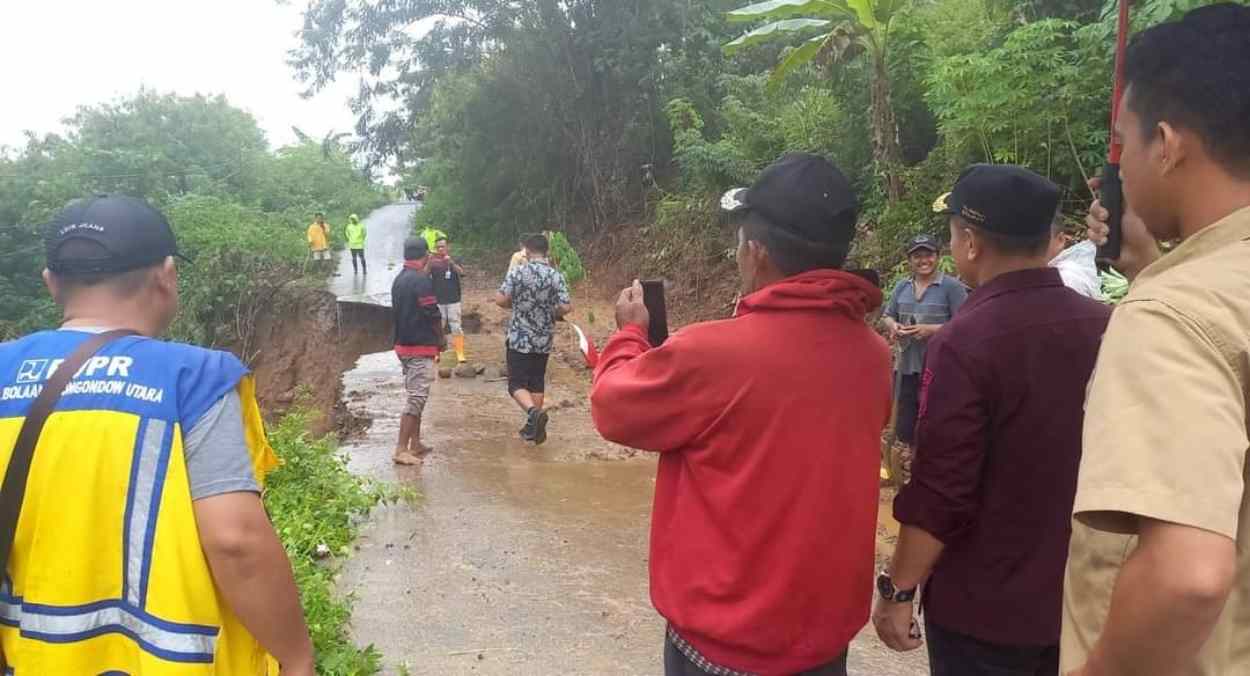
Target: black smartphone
x=1112 y=198
x=653 y=298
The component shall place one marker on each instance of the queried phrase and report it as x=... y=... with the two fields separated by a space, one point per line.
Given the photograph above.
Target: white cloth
x=1079 y=271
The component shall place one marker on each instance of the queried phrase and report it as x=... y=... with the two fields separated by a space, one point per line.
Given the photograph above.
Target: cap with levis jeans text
x=131 y=234
x=803 y=194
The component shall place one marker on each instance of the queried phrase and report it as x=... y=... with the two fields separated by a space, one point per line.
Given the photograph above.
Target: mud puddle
x=513 y=561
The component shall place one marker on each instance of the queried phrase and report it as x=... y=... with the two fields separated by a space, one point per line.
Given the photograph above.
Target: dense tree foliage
x=238 y=208
x=586 y=113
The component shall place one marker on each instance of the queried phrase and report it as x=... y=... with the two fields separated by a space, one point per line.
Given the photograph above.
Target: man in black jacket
x=418 y=341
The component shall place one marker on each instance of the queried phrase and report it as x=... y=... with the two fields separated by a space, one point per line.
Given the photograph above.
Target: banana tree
x=844 y=29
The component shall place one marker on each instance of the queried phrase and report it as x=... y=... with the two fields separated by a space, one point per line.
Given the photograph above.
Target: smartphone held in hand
x=653 y=298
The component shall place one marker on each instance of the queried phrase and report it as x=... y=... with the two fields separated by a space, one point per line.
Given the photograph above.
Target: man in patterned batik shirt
x=537 y=295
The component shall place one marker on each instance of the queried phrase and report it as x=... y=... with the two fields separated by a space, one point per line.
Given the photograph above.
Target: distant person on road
x=986 y=517
x=143 y=545
x=538 y=296
x=319 y=238
x=919 y=306
x=419 y=339
x=445 y=272
x=766 y=495
x=1158 y=578
x=355 y=233
x=431 y=235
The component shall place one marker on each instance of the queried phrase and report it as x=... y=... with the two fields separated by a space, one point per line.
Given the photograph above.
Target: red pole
x=1112 y=190
x=1117 y=93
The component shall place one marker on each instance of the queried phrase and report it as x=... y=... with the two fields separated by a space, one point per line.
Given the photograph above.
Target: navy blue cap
x=130 y=232
x=923 y=242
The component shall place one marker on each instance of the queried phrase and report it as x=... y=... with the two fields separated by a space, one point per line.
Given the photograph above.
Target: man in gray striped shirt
x=919 y=306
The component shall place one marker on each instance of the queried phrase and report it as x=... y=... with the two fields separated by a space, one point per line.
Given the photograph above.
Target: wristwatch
x=885 y=587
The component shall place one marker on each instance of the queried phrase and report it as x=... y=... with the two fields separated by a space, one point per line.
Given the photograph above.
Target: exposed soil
x=701 y=279
x=308 y=341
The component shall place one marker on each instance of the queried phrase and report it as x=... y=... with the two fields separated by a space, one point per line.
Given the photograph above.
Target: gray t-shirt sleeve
x=956 y=293
x=216 y=451
x=891 y=308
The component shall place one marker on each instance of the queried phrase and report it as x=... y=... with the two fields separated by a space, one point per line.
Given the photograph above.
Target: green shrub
x=570 y=262
x=317 y=504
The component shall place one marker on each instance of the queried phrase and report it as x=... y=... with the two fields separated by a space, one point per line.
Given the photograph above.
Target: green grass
x=316 y=503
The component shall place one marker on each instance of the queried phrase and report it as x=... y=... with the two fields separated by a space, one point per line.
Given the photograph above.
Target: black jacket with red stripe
x=418 y=324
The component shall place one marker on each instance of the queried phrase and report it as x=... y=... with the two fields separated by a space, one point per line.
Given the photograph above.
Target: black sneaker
x=527 y=432
x=540 y=427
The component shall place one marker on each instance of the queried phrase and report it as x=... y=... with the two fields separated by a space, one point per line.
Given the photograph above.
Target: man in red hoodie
x=768 y=426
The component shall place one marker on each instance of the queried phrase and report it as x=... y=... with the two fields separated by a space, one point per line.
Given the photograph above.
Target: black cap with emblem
x=130 y=234
x=1003 y=199
x=923 y=241
x=803 y=194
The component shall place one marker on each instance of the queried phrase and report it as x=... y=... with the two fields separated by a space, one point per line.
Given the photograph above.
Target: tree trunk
x=887 y=151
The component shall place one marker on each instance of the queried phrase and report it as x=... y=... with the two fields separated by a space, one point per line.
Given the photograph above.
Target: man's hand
x=896 y=625
x=919 y=331
x=631 y=310
x=1138 y=248
x=891 y=328
x=251 y=571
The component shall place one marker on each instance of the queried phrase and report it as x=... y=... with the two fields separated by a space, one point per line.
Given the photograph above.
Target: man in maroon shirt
x=986 y=517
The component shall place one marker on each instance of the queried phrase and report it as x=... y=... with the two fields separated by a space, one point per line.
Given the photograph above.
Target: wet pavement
x=515 y=559
x=386 y=229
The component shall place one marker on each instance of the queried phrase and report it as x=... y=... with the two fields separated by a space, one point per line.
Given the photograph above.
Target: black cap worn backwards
x=1004 y=199
x=804 y=195
x=923 y=242
x=131 y=235
x=416 y=248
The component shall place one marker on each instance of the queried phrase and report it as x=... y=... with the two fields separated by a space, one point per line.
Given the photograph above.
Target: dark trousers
x=677 y=664
x=908 y=396
x=359 y=253
x=954 y=654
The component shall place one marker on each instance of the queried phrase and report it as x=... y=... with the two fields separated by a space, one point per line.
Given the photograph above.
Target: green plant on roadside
x=316 y=506
x=570 y=263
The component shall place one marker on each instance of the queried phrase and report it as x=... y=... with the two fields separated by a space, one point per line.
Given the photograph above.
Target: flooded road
x=516 y=559
x=386 y=229
x=513 y=562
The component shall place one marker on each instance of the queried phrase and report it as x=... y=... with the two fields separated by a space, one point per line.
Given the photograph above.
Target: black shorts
x=908 y=397
x=527 y=372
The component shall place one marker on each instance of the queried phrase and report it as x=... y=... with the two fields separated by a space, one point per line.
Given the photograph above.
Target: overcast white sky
x=56 y=55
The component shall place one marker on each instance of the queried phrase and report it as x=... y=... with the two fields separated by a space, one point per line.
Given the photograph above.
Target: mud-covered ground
x=516 y=559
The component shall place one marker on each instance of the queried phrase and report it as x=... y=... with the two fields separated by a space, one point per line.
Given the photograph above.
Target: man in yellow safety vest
x=142 y=545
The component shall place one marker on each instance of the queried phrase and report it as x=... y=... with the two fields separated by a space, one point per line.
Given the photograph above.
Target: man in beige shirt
x=1158 y=577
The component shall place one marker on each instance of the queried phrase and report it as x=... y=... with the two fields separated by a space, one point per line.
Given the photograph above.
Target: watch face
x=905 y=596
x=885 y=587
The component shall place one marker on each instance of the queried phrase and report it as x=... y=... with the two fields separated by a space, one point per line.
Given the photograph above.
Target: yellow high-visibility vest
x=107 y=574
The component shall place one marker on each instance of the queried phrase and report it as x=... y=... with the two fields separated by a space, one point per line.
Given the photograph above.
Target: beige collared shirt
x=1166 y=434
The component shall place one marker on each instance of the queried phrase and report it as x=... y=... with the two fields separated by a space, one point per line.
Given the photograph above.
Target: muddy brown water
x=515 y=559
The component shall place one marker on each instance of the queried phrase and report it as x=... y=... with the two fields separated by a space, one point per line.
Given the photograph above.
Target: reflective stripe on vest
x=66 y=624
x=147 y=474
